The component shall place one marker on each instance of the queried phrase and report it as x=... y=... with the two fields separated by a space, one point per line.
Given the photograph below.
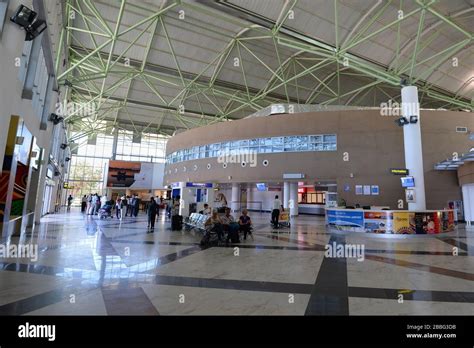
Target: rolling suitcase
x=176 y=223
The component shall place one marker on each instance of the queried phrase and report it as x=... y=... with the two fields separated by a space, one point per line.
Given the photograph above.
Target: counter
x=391 y=221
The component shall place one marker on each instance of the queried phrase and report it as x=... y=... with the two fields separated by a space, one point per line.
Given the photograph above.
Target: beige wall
x=466 y=173
x=374 y=144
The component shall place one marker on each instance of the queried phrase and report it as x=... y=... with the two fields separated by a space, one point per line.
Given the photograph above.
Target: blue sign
x=198 y=184
x=345 y=217
x=347 y=188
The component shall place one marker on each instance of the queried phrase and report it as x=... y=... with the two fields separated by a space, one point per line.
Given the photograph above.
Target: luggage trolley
x=284 y=219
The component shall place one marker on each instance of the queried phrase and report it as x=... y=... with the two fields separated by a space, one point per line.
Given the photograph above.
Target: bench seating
x=196 y=221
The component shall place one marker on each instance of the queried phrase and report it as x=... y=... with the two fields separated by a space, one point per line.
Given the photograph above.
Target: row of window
x=295 y=143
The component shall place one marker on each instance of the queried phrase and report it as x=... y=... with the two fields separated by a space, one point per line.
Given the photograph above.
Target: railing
x=249 y=205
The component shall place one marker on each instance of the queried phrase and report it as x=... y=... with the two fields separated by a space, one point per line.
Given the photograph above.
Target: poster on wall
x=410 y=196
x=403 y=223
x=374 y=190
x=122 y=173
x=378 y=222
x=358 y=189
x=366 y=190
x=351 y=220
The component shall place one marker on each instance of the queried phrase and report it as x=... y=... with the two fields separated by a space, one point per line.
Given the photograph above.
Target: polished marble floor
x=88 y=266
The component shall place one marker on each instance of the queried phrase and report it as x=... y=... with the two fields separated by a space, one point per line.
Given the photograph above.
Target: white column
x=293 y=199
x=468 y=203
x=210 y=197
x=412 y=143
x=286 y=194
x=186 y=198
x=235 y=197
x=250 y=199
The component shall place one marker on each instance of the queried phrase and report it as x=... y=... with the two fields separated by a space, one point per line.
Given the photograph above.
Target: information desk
x=391 y=221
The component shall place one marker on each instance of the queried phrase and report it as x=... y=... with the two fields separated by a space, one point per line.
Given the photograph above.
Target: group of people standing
x=128 y=204
x=91 y=203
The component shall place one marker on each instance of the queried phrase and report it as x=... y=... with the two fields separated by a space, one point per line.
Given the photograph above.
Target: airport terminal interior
x=241 y=157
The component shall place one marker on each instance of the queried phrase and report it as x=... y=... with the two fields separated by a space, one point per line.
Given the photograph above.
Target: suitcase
x=234 y=236
x=176 y=223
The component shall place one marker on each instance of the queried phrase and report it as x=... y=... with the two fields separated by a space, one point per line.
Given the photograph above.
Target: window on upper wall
x=295 y=143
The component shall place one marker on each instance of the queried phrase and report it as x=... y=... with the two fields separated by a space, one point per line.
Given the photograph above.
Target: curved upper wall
x=374 y=144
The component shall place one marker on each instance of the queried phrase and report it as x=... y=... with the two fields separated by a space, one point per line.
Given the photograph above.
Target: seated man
x=230 y=226
x=245 y=224
x=207 y=209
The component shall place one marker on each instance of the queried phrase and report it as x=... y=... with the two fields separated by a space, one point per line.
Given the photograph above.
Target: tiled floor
x=88 y=266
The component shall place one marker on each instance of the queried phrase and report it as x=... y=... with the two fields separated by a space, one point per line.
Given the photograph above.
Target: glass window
x=302 y=143
x=329 y=147
x=330 y=138
x=315 y=147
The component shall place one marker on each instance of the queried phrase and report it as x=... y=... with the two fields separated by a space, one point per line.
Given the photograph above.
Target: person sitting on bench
x=230 y=226
x=215 y=224
x=245 y=224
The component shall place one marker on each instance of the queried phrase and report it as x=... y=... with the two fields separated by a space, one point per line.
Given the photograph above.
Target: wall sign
x=399 y=171
x=410 y=196
x=198 y=184
x=366 y=190
x=375 y=190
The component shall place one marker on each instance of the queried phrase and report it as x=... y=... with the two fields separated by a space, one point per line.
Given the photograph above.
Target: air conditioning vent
x=461 y=129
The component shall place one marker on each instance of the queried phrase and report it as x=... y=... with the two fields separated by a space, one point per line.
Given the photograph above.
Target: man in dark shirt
x=136 y=206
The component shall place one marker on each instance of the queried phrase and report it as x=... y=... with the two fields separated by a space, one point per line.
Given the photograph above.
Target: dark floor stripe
x=422 y=267
x=39 y=301
x=456 y=243
x=412 y=295
x=153 y=242
x=178 y=255
x=131 y=301
x=413 y=252
x=230 y=245
x=30 y=268
x=232 y=284
x=329 y=295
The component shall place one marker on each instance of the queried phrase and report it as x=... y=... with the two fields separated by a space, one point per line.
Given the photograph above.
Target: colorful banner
x=391 y=222
x=378 y=222
x=346 y=219
x=403 y=223
x=427 y=223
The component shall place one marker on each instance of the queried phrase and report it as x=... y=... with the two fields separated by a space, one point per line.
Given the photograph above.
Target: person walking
x=89 y=204
x=93 y=204
x=69 y=202
x=129 y=206
x=151 y=211
x=83 y=204
x=118 y=208
x=136 y=206
x=124 y=205
x=277 y=205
